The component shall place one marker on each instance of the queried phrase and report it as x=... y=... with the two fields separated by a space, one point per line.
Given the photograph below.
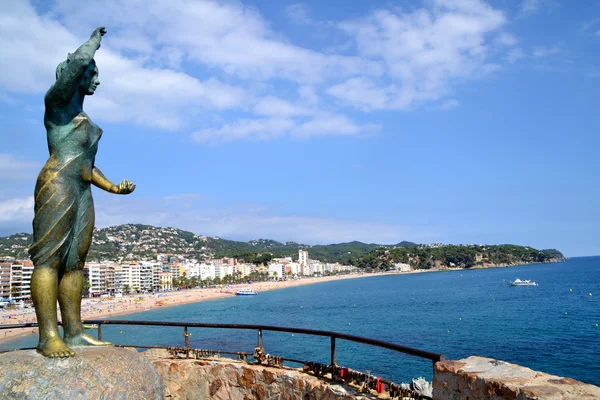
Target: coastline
x=97 y=308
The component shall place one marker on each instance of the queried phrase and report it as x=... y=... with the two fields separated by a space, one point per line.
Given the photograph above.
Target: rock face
x=94 y=373
x=226 y=379
x=488 y=379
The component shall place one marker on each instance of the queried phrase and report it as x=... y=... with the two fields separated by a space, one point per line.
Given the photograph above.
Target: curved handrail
x=435 y=357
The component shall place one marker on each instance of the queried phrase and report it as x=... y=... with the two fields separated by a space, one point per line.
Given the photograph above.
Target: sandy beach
x=96 y=308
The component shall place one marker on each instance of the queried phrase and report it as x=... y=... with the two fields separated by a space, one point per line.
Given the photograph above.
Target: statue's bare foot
x=55 y=348
x=83 y=339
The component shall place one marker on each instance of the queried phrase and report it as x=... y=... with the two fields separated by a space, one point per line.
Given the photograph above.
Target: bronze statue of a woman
x=64 y=209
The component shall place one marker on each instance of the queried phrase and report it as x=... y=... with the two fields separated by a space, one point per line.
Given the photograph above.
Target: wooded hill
x=145 y=242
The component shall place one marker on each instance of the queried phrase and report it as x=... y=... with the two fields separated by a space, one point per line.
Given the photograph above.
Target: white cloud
x=299 y=14
x=362 y=93
x=514 y=55
x=321 y=124
x=274 y=106
x=540 y=52
x=167 y=63
x=309 y=95
x=529 y=7
x=16 y=168
x=253 y=221
x=262 y=129
x=16 y=209
x=426 y=52
x=130 y=91
x=29 y=58
x=333 y=124
x=506 y=39
x=227 y=35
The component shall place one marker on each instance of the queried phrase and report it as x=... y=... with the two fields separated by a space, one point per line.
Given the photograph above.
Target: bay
x=551 y=327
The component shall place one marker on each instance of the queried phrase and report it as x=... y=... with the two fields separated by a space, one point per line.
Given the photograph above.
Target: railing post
x=99 y=331
x=333 y=362
x=260 y=344
x=187 y=342
x=441 y=358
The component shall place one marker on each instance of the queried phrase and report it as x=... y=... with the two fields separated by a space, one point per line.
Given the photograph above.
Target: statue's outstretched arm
x=100 y=181
x=68 y=80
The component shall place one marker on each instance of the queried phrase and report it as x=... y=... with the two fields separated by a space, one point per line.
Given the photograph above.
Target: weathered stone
x=247 y=378
x=243 y=381
x=268 y=377
x=94 y=373
x=261 y=392
x=215 y=386
x=451 y=366
x=478 y=378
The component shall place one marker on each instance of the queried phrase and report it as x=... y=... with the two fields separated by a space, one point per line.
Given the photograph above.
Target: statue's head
x=89 y=81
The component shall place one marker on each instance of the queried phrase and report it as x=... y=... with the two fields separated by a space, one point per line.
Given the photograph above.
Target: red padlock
x=379 y=386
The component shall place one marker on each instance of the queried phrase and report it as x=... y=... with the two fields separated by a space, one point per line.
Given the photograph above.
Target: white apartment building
x=244 y=269
x=294 y=268
x=277 y=269
x=316 y=267
x=5 y=280
x=134 y=271
x=303 y=258
x=146 y=276
x=223 y=270
x=192 y=270
x=20 y=278
x=207 y=271
x=127 y=275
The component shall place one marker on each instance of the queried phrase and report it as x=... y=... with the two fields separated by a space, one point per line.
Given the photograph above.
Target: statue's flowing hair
x=63 y=64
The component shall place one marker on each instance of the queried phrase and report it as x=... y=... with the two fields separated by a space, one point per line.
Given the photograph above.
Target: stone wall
x=222 y=379
x=479 y=378
x=473 y=378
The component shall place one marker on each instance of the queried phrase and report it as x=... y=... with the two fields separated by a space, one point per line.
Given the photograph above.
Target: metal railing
x=186 y=350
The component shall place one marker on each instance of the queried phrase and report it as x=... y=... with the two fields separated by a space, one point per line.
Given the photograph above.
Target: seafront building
x=15 y=279
x=159 y=275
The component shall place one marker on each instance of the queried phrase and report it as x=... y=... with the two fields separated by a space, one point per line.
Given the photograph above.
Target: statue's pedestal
x=103 y=372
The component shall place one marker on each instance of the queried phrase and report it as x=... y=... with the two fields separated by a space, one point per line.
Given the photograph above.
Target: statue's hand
x=98 y=33
x=125 y=187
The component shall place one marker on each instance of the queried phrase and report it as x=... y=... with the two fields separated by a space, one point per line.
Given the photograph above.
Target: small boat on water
x=526 y=282
x=90 y=326
x=245 y=292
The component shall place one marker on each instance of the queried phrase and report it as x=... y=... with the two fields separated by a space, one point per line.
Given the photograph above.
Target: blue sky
x=454 y=121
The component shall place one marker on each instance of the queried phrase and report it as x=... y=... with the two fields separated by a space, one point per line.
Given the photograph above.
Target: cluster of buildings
x=162 y=274
x=15 y=278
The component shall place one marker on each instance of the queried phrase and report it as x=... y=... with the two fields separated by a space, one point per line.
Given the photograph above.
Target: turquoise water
x=458 y=313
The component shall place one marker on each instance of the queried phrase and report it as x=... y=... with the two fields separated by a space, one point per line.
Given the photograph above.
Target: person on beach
x=64 y=210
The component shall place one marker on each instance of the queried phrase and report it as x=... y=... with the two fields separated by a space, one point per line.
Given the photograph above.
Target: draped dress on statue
x=64 y=210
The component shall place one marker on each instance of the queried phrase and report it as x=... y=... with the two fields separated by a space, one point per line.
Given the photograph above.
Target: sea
x=553 y=327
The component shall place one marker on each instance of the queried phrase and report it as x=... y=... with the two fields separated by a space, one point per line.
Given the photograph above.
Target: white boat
x=245 y=292
x=526 y=282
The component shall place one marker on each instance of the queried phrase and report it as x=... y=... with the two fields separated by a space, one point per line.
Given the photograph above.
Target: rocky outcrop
x=479 y=378
x=104 y=372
